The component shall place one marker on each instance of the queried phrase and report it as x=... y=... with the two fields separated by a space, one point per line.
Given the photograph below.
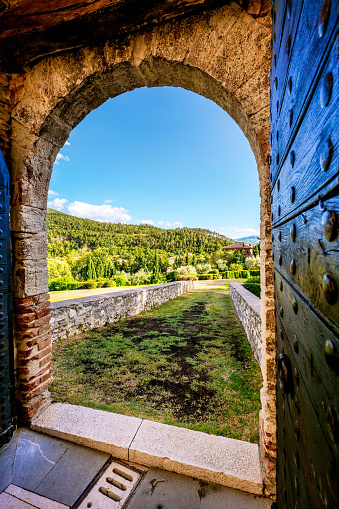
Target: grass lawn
x=185 y=363
x=77 y=294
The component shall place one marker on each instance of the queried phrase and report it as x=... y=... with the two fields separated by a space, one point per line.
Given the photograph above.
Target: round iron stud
x=281 y=287
x=330 y=225
x=290 y=84
x=332 y=423
x=323 y=18
x=331 y=355
x=292 y=158
x=326 y=89
x=284 y=373
x=326 y=155
x=293 y=232
x=295 y=305
x=279 y=236
x=296 y=344
x=293 y=267
x=296 y=429
x=292 y=194
x=288 y=44
x=281 y=311
x=330 y=289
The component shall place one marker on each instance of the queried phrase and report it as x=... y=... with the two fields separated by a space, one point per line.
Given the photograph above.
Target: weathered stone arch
x=223 y=55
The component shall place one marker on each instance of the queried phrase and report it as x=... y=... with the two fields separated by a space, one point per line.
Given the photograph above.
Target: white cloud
x=230 y=230
x=160 y=223
x=108 y=201
x=67 y=144
x=98 y=212
x=52 y=193
x=177 y=223
x=57 y=203
x=61 y=156
x=147 y=221
x=168 y=224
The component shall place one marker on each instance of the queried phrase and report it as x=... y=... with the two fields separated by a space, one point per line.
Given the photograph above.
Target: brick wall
x=34 y=352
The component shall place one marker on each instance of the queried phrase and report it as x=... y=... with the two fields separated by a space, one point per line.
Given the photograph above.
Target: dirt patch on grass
x=186 y=363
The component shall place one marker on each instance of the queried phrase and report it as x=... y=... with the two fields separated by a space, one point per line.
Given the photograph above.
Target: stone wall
x=72 y=317
x=248 y=309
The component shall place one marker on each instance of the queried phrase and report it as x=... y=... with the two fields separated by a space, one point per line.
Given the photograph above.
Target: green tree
x=90 y=269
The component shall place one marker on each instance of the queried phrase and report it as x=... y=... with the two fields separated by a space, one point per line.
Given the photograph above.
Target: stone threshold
x=211 y=458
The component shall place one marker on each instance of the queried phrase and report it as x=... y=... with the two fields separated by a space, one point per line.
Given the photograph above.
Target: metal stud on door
x=305 y=211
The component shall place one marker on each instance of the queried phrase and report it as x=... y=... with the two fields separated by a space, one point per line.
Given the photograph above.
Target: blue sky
x=164 y=156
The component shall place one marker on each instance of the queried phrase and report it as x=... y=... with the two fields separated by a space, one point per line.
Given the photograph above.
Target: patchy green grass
x=185 y=363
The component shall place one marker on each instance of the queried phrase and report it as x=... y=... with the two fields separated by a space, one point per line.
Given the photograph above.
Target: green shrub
x=206 y=276
x=100 y=284
x=171 y=276
x=253 y=288
x=236 y=274
x=89 y=284
x=245 y=274
x=109 y=284
x=61 y=284
x=228 y=274
x=187 y=277
x=213 y=271
x=255 y=272
x=120 y=281
x=254 y=279
x=74 y=285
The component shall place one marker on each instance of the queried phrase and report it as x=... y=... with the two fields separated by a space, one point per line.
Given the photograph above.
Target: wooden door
x=7 y=413
x=305 y=212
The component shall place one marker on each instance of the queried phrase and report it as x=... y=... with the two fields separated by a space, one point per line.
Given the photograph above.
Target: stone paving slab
x=215 y=459
x=36 y=455
x=72 y=474
x=220 y=460
x=7 y=457
x=168 y=490
x=105 y=431
x=32 y=498
x=49 y=467
x=9 y=502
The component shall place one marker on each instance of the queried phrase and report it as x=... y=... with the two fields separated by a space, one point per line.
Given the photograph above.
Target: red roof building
x=241 y=246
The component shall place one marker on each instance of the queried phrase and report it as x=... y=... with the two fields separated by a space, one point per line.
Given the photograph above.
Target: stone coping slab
x=252 y=300
x=105 y=431
x=105 y=296
x=211 y=458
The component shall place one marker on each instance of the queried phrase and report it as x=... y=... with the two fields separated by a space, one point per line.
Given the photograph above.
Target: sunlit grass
x=185 y=363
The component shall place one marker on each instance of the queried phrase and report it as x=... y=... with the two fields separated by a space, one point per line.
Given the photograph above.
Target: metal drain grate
x=112 y=489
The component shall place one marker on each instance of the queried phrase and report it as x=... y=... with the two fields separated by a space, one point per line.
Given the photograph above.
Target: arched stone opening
x=206 y=54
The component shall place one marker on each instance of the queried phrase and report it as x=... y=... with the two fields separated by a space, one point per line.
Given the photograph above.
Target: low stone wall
x=71 y=317
x=248 y=309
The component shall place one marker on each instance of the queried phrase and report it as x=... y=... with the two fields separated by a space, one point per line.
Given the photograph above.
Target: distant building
x=241 y=246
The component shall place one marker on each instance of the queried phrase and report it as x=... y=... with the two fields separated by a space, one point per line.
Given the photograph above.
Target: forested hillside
x=67 y=233
x=108 y=254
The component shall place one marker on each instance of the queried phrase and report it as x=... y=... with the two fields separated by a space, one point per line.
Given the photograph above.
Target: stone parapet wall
x=248 y=309
x=75 y=316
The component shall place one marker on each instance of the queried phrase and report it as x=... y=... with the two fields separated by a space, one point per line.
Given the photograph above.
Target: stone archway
x=223 y=55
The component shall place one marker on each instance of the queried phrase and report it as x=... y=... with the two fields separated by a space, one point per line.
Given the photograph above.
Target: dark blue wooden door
x=305 y=219
x=7 y=421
